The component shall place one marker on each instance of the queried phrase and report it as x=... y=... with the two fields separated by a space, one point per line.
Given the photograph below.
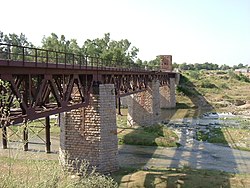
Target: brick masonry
x=90 y=133
x=144 y=107
x=167 y=95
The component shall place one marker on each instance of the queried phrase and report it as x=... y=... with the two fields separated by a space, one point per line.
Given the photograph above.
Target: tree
x=175 y=65
x=184 y=66
x=154 y=64
x=16 y=50
x=224 y=67
x=115 y=52
x=66 y=48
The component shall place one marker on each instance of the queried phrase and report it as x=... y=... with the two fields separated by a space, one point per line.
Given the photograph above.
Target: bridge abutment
x=144 y=107
x=90 y=133
x=167 y=95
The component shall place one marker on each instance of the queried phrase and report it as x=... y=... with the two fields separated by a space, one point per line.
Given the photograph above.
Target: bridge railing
x=26 y=54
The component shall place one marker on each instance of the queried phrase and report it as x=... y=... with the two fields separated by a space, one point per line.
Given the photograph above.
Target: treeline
x=112 y=51
x=103 y=48
x=207 y=66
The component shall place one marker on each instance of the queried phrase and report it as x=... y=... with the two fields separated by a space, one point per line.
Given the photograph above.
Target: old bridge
x=83 y=90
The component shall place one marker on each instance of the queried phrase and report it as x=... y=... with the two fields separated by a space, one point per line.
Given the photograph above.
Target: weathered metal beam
x=47 y=134
x=118 y=101
x=4 y=137
x=25 y=138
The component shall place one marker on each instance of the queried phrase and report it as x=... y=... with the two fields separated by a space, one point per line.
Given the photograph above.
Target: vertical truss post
x=4 y=137
x=119 y=105
x=47 y=134
x=26 y=99
x=25 y=138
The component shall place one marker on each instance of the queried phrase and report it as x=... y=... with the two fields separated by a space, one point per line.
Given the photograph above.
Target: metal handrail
x=26 y=54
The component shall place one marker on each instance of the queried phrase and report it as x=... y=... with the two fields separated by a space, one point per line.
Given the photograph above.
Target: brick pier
x=144 y=107
x=167 y=95
x=91 y=133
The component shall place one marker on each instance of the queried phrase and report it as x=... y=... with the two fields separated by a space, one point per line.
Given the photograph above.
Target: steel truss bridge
x=45 y=82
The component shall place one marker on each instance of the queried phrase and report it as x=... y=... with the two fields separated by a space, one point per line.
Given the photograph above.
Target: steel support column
x=47 y=134
x=4 y=137
x=118 y=101
x=25 y=138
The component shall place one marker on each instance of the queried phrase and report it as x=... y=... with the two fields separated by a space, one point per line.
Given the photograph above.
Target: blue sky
x=193 y=31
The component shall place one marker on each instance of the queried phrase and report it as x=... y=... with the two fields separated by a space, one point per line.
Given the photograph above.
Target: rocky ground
x=208 y=126
x=195 y=152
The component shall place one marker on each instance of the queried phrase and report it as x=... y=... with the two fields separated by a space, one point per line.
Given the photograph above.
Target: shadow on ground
x=190 y=156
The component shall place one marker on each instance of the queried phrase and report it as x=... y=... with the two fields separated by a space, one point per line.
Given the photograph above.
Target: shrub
x=185 y=90
x=207 y=84
x=224 y=86
x=194 y=75
x=240 y=77
x=221 y=72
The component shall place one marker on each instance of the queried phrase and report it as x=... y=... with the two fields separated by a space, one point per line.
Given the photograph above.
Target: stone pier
x=167 y=95
x=90 y=133
x=144 y=107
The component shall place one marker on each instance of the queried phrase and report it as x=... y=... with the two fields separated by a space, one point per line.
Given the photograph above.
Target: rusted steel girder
x=45 y=82
x=42 y=92
x=34 y=96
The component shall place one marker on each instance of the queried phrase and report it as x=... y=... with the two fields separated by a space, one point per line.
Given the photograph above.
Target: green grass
x=213 y=87
x=149 y=136
x=227 y=136
x=157 y=135
x=48 y=173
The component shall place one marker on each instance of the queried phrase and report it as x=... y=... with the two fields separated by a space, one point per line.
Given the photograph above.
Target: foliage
x=221 y=72
x=185 y=86
x=226 y=136
x=4 y=104
x=153 y=64
x=14 y=39
x=198 y=66
x=207 y=84
x=240 y=77
x=194 y=74
x=239 y=66
x=207 y=66
x=103 y=48
x=224 y=86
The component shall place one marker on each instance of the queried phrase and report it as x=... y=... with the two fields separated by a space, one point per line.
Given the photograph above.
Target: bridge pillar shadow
x=144 y=107
x=90 y=133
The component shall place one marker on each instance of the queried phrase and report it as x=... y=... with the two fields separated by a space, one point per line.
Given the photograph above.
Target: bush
x=240 y=77
x=194 y=74
x=224 y=86
x=207 y=84
x=221 y=72
x=185 y=90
